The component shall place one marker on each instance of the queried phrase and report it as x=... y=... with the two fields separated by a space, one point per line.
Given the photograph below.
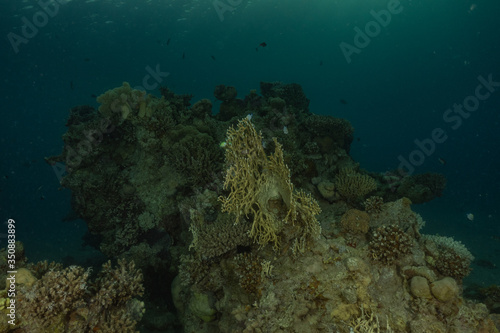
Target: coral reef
x=224 y=93
x=292 y=94
x=146 y=174
x=132 y=164
x=123 y=101
x=332 y=285
x=422 y=188
x=330 y=132
x=67 y=300
x=418 y=188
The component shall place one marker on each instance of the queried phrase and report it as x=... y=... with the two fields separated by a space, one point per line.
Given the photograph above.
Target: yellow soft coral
x=260 y=188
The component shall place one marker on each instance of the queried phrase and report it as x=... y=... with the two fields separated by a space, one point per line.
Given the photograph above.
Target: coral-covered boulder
x=445 y=289
x=355 y=222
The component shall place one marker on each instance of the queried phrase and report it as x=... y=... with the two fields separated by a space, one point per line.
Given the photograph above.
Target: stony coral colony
x=258 y=219
x=55 y=299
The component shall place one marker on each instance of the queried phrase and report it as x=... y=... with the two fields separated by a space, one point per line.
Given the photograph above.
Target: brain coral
x=355 y=222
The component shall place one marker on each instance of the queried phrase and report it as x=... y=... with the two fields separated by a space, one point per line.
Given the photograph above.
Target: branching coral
x=44 y=305
x=389 y=243
x=66 y=301
x=260 y=187
x=373 y=205
x=368 y=322
x=448 y=256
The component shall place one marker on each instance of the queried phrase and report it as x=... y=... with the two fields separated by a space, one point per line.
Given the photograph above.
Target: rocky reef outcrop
x=256 y=219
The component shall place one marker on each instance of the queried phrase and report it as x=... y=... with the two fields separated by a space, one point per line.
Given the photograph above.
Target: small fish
x=321 y=63
x=485 y=263
x=343 y=101
x=223 y=144
x=71 y=85
x=168 y=41
x=213 y=58
x=183 y=55
x=249 y=116
x=86 y=59
x=263 y=44
x=285 y=130
x=442 y=161
x=93 y=96
x=470 y=217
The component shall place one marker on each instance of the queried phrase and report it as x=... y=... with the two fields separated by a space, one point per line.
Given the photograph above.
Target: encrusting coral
x=260 y=187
